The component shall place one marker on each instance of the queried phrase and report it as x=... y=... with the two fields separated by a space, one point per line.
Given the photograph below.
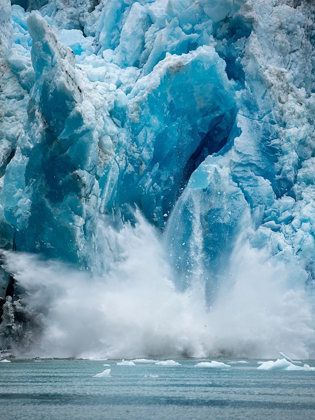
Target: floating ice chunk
x=151 y=376
x=304 y=367
x=167 y=363
x=283 y=364
x=126 y=363
x=5 y=361
x=145 y=361
x=278 y=364
x=212 y=364
x=238 y=362
x=104 y=374
x=106 y=364
x=296 y=362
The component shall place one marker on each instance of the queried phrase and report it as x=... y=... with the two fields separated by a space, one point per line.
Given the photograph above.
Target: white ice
x=104 y=374
x=167 y=363
x=237 y=362
x=283 y=364
x=212 y=364
x=296 y=362
x=126 y=363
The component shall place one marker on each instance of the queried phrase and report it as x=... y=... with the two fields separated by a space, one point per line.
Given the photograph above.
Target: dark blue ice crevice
x=184 y=108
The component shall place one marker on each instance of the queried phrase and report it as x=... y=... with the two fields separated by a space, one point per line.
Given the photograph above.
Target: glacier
x=158 y=147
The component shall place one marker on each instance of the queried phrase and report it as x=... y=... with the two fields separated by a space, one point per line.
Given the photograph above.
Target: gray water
x=66 y=389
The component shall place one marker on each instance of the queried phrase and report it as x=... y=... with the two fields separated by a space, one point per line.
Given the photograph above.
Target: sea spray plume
x=126 y=312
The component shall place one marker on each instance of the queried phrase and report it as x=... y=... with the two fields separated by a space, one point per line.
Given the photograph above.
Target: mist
x=134 y=309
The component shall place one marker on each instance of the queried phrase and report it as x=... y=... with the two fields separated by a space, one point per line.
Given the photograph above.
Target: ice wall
x=198 y=113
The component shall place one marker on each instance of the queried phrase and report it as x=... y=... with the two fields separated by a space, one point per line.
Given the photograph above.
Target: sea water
x=69 y=389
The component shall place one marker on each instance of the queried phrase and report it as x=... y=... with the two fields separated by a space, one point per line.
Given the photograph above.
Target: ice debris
x=126 y=363
x=283 y=364
x=167 y=363
x=212 y=364
x=104 y=374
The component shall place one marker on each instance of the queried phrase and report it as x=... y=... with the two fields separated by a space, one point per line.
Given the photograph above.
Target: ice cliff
x=200 y=113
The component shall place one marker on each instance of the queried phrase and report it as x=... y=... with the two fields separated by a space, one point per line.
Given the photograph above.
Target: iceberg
x=237 y=362
x=213 y=364
x=167 y=363
x=278 y=364
x=126 y=363
x=283 y=364
x=295 y=362
x=104 y=374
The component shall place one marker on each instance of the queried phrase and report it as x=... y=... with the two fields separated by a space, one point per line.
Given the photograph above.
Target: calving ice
x=157 y=164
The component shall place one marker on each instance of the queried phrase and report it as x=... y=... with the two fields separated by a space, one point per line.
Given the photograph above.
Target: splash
x=135 y=310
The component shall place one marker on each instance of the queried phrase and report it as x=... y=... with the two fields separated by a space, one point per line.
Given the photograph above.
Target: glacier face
x=198 y=113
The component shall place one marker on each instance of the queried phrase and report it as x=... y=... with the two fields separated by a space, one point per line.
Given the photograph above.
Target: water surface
x=67 y=389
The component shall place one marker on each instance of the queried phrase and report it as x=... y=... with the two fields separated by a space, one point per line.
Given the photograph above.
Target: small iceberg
x=294 y=362
x=5 y=361
x=237 y=362
x=283 y=364
x=167 y=363
x=126 y=363
x=145 y=361
x=106 y=364
x=212 y=364
x=278 y=364
x=104 y=374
